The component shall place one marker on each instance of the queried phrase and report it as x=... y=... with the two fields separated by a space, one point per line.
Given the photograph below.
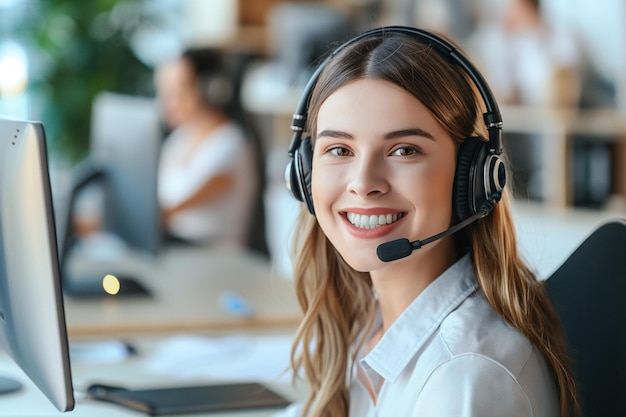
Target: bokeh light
x=14 y=69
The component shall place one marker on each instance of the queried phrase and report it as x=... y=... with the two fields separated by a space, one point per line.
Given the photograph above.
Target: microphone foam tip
x=396 y=249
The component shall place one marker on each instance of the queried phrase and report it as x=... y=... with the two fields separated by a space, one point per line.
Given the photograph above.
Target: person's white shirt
x=227 y=219
x=449 y=355
x=523 y=64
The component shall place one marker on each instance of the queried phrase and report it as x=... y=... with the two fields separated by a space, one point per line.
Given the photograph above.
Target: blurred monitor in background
x=125 y=142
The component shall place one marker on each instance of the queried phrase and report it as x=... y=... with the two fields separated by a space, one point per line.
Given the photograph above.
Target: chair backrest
x=589 y=295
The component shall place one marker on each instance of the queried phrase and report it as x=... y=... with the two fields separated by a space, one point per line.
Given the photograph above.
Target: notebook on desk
x=190 y=399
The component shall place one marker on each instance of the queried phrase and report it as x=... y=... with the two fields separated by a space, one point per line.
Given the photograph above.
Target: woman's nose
x=368 y=177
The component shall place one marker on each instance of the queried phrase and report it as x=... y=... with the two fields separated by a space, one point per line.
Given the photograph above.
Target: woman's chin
x=363 y=263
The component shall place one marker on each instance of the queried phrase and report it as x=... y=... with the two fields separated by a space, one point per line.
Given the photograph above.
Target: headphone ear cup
x=469 y=182
x=305 y=166
x=217 y=90
x=298 y=174
x=479 y=179
x=291 y=179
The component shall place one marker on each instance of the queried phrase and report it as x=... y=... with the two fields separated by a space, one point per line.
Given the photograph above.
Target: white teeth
x=373 y=221
x=370 y=222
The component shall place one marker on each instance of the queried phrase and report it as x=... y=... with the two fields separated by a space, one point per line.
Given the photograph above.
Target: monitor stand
x=9 y=385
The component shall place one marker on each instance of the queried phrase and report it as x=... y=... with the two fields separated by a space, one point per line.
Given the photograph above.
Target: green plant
x=77 y=49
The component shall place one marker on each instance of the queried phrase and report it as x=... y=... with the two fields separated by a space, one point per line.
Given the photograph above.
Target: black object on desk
x=91 y=287
x=190 y=399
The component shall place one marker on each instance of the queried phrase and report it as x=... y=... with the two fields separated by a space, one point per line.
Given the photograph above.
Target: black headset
x=214 y=83
x=480 y=172
x=216 y=90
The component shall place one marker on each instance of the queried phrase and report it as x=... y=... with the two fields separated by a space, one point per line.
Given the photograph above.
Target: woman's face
x=383 y=169
x=178 y=92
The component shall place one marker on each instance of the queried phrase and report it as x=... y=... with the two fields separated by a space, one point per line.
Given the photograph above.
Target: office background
x=57 y=58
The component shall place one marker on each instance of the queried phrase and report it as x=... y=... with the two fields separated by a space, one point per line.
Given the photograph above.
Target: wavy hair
x=338 y=302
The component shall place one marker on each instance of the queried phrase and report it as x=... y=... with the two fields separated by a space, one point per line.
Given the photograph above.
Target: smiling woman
x=399 y=145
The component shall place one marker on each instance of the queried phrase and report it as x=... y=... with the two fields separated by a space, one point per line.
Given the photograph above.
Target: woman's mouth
x=372 y=221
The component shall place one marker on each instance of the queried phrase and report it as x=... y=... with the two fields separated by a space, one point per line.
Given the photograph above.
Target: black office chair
x=589 y=294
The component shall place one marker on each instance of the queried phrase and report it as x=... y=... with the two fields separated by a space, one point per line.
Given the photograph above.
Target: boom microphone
x=401 y=248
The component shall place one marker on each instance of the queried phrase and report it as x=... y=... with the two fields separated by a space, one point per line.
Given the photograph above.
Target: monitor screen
x=125 y=140
x=32 y=318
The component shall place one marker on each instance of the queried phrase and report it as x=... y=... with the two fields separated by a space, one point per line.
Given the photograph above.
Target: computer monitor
x=32 y=317
x=125 y=141
x=123 y=160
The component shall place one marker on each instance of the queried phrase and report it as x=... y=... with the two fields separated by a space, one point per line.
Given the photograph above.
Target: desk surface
x=191 y=288
x=187 y=285
x=548 y=235
x=133 y=372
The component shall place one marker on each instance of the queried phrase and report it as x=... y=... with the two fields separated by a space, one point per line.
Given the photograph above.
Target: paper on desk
x=99 y=351
x=228 y=358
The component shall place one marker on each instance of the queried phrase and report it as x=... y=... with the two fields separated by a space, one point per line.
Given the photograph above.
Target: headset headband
x=491 y=118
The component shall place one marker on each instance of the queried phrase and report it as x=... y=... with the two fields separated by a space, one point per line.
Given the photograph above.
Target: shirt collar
x=420 y=320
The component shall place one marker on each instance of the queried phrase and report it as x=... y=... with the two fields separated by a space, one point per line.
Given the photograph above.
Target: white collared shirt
x=450 y=355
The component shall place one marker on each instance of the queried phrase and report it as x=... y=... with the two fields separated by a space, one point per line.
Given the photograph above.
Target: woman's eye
x=405 y=151
x=339 y=151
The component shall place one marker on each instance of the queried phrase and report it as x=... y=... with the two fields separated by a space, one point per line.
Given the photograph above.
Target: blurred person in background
x=538 y=64
x=545 y=63
x=208 y=179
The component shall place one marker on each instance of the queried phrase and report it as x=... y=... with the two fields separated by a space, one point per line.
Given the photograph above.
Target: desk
x=30 y=402
x=547 y=235
x=187 y=284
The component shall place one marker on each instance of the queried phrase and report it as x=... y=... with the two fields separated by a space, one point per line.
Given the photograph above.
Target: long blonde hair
x=338 y=302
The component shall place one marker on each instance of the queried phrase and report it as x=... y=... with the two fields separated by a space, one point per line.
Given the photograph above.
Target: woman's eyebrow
x=409 y=132
x=334 y=134
x=390 y=135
